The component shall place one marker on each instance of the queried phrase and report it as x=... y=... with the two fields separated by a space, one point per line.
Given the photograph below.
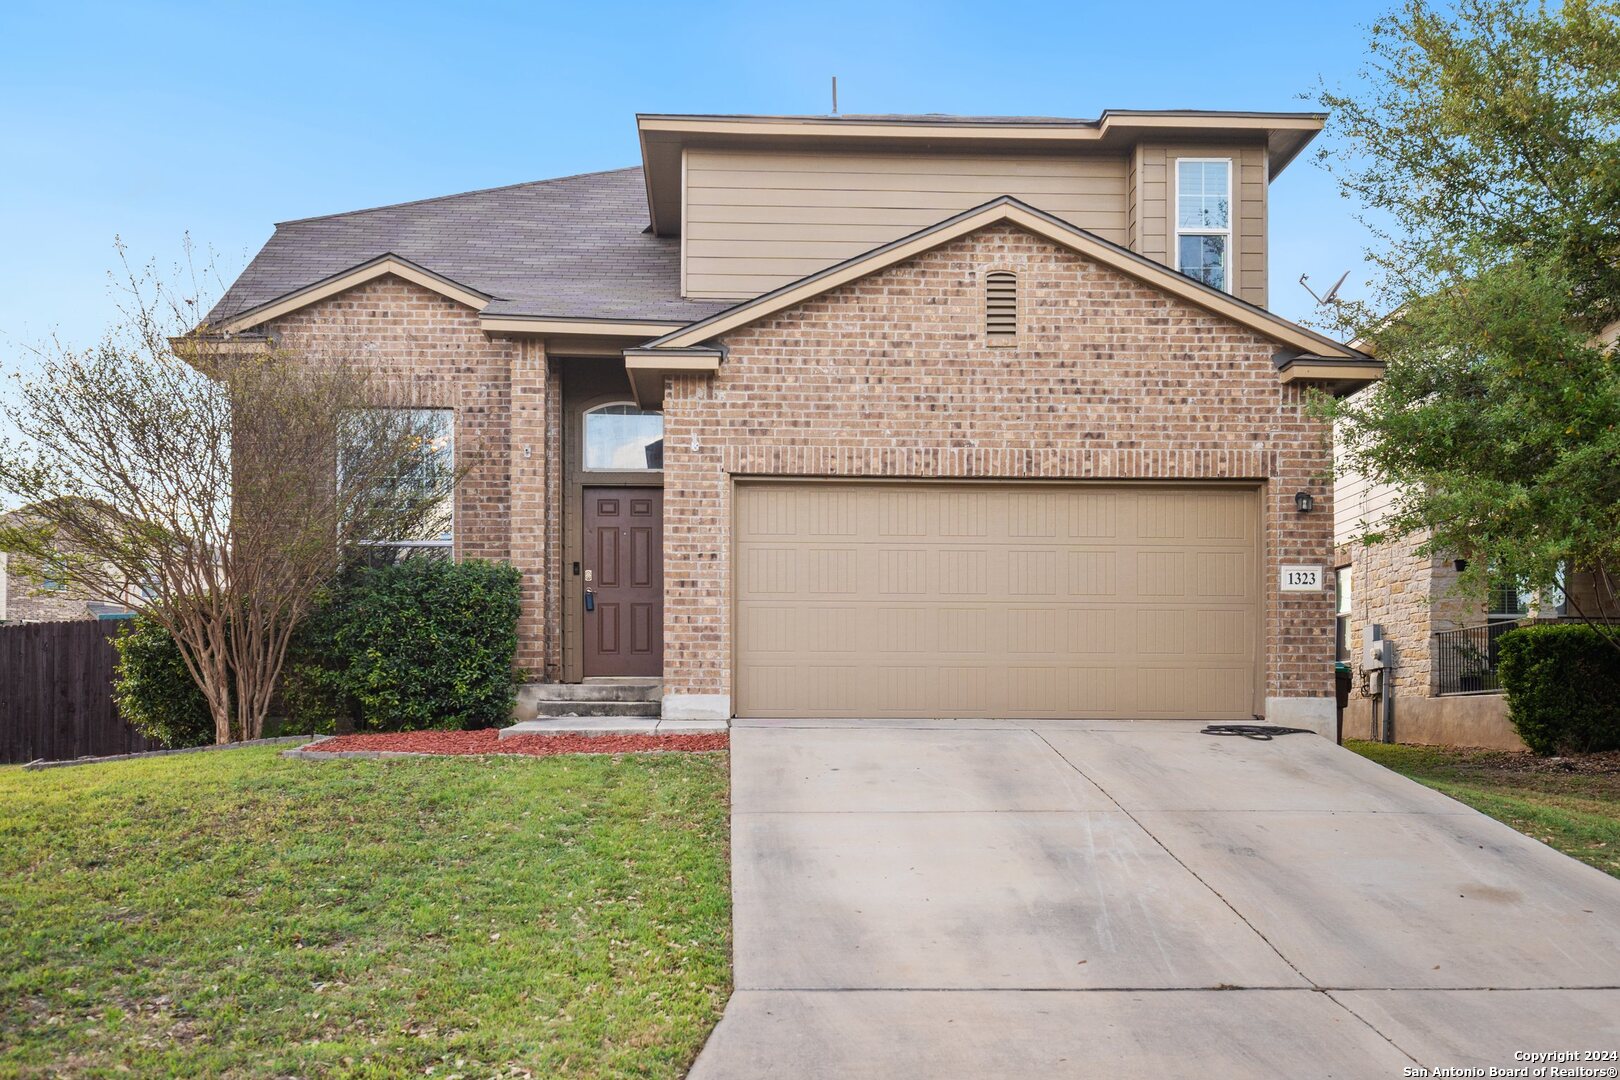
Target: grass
x=1576 y=812
x=237 y=914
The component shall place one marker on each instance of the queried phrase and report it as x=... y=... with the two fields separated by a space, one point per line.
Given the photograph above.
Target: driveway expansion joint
x=1166 y=849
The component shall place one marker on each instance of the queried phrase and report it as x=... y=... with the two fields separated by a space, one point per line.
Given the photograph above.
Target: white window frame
x=446 y=544
x=584 y=435
x=1231 y=212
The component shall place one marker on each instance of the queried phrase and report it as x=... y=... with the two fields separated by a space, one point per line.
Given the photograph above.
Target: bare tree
x=219 y=482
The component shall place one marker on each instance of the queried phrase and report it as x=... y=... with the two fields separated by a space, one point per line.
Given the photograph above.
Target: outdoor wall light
x=1304 y=503
x=1459 y=565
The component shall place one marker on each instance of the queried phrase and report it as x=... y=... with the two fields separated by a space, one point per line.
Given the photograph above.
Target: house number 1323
x=1301 y=578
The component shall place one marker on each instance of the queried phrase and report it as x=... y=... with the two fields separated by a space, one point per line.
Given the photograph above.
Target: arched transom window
x=622 y=437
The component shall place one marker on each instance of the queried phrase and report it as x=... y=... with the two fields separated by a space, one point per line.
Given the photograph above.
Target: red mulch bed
x=489 y=742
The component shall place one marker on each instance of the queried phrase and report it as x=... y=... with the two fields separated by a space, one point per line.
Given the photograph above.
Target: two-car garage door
x=997 y=600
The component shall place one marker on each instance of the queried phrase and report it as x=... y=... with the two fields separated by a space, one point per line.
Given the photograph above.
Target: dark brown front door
x=624 y=581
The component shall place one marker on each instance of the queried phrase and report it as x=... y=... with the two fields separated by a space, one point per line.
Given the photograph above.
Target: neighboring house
x=1443 y=683
x=40 y=593
x=872 y=416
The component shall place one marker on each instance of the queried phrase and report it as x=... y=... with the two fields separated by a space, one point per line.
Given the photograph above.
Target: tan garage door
x=963 y=600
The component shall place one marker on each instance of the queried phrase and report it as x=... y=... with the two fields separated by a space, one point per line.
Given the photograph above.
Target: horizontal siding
x=757 y=220
x=1359 y=505
x=1154 y=196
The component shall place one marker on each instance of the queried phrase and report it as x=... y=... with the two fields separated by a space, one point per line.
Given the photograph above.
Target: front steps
x=593 y=697
x=598 y=707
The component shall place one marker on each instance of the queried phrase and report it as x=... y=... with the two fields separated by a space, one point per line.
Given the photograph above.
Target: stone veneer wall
x=889 y=376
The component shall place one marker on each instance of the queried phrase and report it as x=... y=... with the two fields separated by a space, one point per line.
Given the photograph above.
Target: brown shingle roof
x=573 y=247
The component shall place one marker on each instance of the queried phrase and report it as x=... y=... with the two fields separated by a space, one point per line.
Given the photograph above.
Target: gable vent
x=1001 y=307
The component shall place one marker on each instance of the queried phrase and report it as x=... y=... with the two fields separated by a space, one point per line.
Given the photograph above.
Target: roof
x=953 y=119
x=1009 y=209
x=579 y=247
x=574 y=247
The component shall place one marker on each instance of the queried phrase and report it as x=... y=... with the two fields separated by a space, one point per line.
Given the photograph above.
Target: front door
x=624 y=581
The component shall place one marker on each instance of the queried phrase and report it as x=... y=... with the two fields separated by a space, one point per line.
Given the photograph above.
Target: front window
x=1512 y=600
x=419 y=447
x=623 y=438
x=1341 y=613
x=1204 y=220
x=1508 y=601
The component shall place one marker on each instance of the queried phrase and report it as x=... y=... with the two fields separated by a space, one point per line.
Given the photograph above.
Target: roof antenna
x=835 y=95
x=1328 y=297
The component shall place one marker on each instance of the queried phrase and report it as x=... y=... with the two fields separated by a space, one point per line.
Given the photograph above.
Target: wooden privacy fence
x=56 y=700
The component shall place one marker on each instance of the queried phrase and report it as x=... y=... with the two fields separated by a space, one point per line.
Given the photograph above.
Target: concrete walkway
x=978 y=899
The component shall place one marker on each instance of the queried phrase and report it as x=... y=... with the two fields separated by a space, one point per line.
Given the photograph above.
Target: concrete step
x=607 y=725
x=539 y=710
x=592 y=690
x=586 y=725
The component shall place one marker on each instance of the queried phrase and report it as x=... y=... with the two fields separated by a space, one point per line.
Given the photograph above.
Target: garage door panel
x=941 y=600
x=1092 y=515
x=1225 y=574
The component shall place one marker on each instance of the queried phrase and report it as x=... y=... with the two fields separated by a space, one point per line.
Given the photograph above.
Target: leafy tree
x=218 y=484
x=1483 y=143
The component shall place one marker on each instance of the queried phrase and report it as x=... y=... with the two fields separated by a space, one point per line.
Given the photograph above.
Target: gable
x=1075 y=317
x=342 y=282
x=1007 y=210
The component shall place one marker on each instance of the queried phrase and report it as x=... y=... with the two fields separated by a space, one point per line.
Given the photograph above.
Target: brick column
x=528 y=507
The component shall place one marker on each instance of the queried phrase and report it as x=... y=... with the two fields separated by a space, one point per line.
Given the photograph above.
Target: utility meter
x=1373 y=654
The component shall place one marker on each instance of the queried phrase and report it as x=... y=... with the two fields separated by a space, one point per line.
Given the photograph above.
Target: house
x=35 y=592
x=1442 y=643
x=912 y=416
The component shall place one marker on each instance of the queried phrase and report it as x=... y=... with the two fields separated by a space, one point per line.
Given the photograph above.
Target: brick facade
x=504 y=396
x=889 y=376
x=22 y=599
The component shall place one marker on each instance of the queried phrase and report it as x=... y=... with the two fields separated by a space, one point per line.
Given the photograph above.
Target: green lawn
x=1577 y=812
x=237 y=914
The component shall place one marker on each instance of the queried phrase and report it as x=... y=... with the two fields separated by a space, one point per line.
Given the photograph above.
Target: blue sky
x=149 y=120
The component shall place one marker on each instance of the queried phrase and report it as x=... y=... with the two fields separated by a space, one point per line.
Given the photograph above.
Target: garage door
x=960 y=600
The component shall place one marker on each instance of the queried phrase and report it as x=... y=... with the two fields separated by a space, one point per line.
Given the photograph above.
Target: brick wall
x=889 y=376
x=504 y=400
x=25 y=601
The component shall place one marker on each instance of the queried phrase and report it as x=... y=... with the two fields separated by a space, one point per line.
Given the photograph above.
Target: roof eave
x=1302 y=340
x=1338 y=375
x=359 y=274
x=662 y=137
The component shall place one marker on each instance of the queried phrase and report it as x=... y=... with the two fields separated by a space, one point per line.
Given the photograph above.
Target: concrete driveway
x=978 y=899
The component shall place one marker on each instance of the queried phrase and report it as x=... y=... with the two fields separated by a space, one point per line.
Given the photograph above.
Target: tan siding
x=1155 y=200
x=1358 y=503
x=1133 y=172
x=757 y=220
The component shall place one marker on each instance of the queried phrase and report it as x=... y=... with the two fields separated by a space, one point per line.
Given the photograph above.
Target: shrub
x=154 y=691
x=424 y=643
x=1563 y=688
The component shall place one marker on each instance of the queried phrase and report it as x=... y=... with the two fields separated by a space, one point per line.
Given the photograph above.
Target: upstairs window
x=1000 y=307
x=623 y=438
x=1204 y=220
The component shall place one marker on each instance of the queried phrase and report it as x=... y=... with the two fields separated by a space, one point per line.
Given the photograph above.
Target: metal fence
x=56 y=693
x=1465 y=659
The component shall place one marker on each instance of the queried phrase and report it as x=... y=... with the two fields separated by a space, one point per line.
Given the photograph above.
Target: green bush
x=154 y=691
x=1563 y=688
x=420 y=644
